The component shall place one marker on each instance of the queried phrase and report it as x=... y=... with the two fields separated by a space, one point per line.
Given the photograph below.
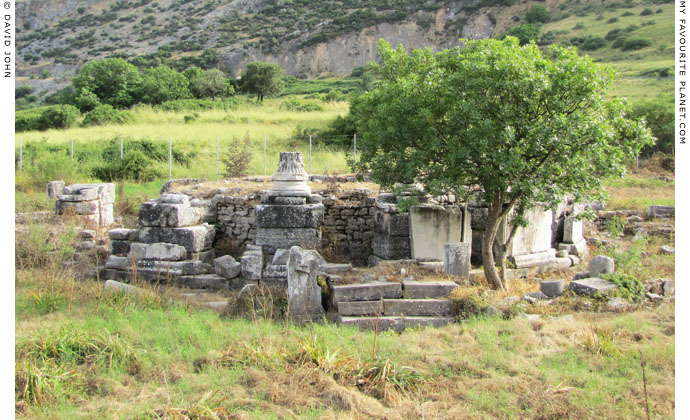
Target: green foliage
x=113 y=80
x=635 y=43
x=537 y=14
x=162 y=84
x=199 y=104
x=612 y=20
x=47 y=301
x=646 y=12
x=659 y=115
x=210 y=84
x=615 y=226
x=525 y=33
x=528 y=128
x=45 y=118
x=105 y=114
x=262 y=79
x=135 y=165
x=23 y=91
x=299 y=106
x=86 y=101
x=589 y=43
x=630 y=287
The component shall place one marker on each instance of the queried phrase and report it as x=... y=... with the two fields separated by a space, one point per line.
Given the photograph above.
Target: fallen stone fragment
x=591 y=286
x=551 y=288
x=616 y=304
x=667 y=250
x=601 y=264
x=227 y=267
x=653 y=297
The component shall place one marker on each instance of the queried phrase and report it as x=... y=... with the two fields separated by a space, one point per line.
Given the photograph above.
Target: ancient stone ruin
x=91 y=202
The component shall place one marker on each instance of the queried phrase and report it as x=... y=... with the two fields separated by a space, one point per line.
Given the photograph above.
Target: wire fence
x=204 y=158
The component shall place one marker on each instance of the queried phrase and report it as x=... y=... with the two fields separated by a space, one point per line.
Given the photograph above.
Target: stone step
x=413 y=289
x=395 y=323
x=592 y=285
x=330 y=268
x=417 y=307
x=360 y=308
x=205 y=281
x=366 y=291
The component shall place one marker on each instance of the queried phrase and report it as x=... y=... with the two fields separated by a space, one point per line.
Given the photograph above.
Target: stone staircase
x=394 y=306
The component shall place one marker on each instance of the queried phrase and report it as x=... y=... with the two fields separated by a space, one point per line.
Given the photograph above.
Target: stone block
x=433 y=226
x=78 y=193
x=427 y=289
x=275 y=272
x=172 y=198
x=366 y=291
x=396 y=224
x=285 y=216
x=272 y=239
x=534 y=260
x=120 y=234
x=192 y=238
x=304 y=293
x=601 y=264
x=106 y=214
x=204 y=256
x=426 y=321
x=668 y=287
x=551 y=288
x=77 y=207
x=252 y=262
x=390 y=247
x=227 y=267
x=203 y=281
x=361 y=308
x=116 y=286
x=331 y=268
x=592 y=285
x=280 y=257
x=157 y=251
x=289 y=201
x=384 y=323
x=119 y=247
x=667 y=250
x=456 y=261
x=157 y=214
x=572 y=230
x=532 y=239
x=417 y=307
x=561 y=263
x=661 y=211
x=579 y=248
x=55 y=188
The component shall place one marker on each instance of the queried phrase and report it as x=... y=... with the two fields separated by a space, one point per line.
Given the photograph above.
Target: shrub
x=58 y=116
x=635 y=43
x=646 y=12
x=199 y=104
x=629 y=287
x=105 y=114
x=628 y=13
x=298 y=106
x=659 y=115
x=22 y=91
x=86 y=101
x=237 y=159
x=334 y=95
x=614 y=34
x=525 y=33
x=593 y=43
x=612 y=20
x=537 y=14
x=135 y=165
x=618 y=42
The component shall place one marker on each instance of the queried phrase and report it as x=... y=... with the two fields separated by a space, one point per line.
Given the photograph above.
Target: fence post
x=355 y=148
x=264 y=155
x=121 y=147
x=170 y=160
x=71 y=153
x=218 y=156
x=21 y=152
x=310 y=171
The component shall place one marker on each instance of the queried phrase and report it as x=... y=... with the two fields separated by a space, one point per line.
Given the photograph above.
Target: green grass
x=631 y=66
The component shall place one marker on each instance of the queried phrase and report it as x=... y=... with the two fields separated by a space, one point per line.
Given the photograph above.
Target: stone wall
x=348 y=226
x=92 y=202
x=235 y=222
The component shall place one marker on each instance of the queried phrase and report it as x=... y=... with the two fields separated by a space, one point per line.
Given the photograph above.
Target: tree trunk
x=488 y=242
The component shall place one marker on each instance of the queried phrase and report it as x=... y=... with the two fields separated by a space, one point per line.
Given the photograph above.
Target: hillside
x=308 y=38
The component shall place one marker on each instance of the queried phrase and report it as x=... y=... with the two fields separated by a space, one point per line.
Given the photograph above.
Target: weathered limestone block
x=157 y=251
x=116 y=286
x=72 y=193
x=391 y=247
x=272 y=239
x=361 y=308
x=81 y=207
x=383 y=323
x=282 y=216
x=175 y=268
x=252 y=262
x=55 y=188
x=396 y=224
x=227 y=267
x=159 y=214
x=192 y=238
x=592 y=285
x=203 y=281
x=120 y=234
x=572 y=230
x=366 y=291
x=661 y=211
x=551 y=288
x=601 y=264
x=119 y=247
x=579 y=248
x=432 y=226
x=417 y=307
x=304 y=293
x=280 y=257
x=535 y=259
x=204 y=256
x=456 y=260
x=106 y=214
x=427 y=289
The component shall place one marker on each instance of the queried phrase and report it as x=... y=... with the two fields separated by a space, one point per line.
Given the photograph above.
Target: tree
x=160 y=84
x=525 y=33
x=262 y=79
x=496 y=122
x=113 y=80
x=211 y=84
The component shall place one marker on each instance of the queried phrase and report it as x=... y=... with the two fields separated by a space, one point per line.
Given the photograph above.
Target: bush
x=57 y=116
x=614 y=34
x=22 y=91
x=618 y=42
x=525 y=33
x=334 y=95
x=537 y=14
x=86 y=101
x=635 y=43
x=105 y=114
x=199 y=104
x=299 y=106
x=593 y=43
x=646 y=12
x=135 y=165
x=238 y=158
x=659 y=115
x=628 y=14
x=612 y=20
